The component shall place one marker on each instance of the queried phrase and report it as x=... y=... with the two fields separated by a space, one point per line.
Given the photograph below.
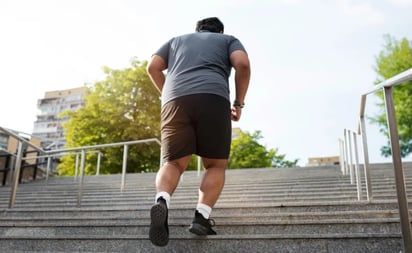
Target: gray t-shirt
x=198 y=63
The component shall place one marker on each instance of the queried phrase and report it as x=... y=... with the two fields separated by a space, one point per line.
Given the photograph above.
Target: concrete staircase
x=309 y=209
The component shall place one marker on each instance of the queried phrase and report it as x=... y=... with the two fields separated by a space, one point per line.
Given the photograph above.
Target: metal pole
x=366 y=165
x=352 y=178
x=48 y=169
x=397 y=163
x=341 y=156
x=12 y=164
x=99 y=154
x=198 y=165
x=80 y=192
x=17 y=168
x=357 y=171
x=76 y=167
x=124 y=165
x=346 y=152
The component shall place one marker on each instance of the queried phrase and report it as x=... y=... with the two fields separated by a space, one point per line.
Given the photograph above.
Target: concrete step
x=186 y=214
x=179 y=225
x=189 y=197
x=309 y=243
x=332 y=207
x=228 y=222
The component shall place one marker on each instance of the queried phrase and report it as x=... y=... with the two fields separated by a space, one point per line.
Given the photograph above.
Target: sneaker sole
x=158 y=232
x=200 y=230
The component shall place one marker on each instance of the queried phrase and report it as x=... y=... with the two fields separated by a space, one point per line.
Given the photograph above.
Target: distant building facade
x=321 y=161
x=4 y=141
x=48 y=126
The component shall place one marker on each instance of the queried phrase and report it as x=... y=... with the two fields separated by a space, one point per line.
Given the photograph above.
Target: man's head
x=210 y=24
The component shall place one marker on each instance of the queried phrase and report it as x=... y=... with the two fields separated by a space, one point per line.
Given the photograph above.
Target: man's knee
x=179 y=164
x=214 y=163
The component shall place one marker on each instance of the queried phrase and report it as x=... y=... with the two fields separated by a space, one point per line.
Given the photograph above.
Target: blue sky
x=311 y=60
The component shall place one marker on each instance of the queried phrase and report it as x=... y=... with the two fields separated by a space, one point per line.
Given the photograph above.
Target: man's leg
x=213 y=181
x=209 y=192
x=167 y=180
x=168 y=176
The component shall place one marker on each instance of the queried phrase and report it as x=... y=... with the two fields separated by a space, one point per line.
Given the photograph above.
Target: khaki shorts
x=196 y=124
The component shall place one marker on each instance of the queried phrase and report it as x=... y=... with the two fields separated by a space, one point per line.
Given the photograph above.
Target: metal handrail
x=10 y=132
x=393 y=81
x=51 y=153
x=386 y=87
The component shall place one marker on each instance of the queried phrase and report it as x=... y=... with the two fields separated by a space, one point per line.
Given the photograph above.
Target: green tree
x=123 y=107
x=395 y=58
x=247 y=152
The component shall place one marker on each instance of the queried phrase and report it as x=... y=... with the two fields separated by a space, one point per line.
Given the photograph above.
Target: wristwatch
x=237 y=104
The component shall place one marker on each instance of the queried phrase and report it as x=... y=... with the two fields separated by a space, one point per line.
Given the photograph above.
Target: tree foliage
x=123 y=107
x=396 y=57
x=247 y=152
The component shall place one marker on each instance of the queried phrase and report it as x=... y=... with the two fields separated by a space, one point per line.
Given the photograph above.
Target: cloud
x=401 y=3
x=291 y=1
x=362 y=11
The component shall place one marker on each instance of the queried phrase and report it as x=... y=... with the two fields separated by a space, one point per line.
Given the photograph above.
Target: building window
x=4 y=141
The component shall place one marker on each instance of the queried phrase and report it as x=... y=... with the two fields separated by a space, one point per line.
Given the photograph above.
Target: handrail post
x=366 y=165
x=198 y=165
x=17 y=168
x=76 y=167
x=124 y=167
x=80 y=192
x=399 y=176
x=48 y=169
x=341 y=156
x=357 y=171
x=99 y=154
x=345 y=153
x=12 y=164
x=352 y=178
x=345 y=143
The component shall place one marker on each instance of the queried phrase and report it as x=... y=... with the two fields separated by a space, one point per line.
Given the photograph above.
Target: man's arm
x=155 y=71
x=241 y=64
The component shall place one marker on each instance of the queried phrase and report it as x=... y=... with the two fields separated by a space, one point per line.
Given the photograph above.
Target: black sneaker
x=159 y=229
x=202 y=226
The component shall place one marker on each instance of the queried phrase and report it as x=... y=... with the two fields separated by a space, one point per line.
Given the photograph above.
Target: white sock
x=203 y=209
x=165 y=196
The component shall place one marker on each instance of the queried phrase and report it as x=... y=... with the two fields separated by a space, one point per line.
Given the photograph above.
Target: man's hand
x=236 y=113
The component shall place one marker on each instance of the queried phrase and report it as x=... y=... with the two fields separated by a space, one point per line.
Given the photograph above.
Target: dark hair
x=210 y=24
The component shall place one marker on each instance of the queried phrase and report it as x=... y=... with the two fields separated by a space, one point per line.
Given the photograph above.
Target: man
x=196 y=116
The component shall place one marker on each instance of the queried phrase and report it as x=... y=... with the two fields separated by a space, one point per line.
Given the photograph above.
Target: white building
x=48 y=126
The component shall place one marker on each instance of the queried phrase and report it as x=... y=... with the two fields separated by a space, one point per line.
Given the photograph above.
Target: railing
x=6 y=165
x=58 y=152
x=347 y=151
x=350 y=162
